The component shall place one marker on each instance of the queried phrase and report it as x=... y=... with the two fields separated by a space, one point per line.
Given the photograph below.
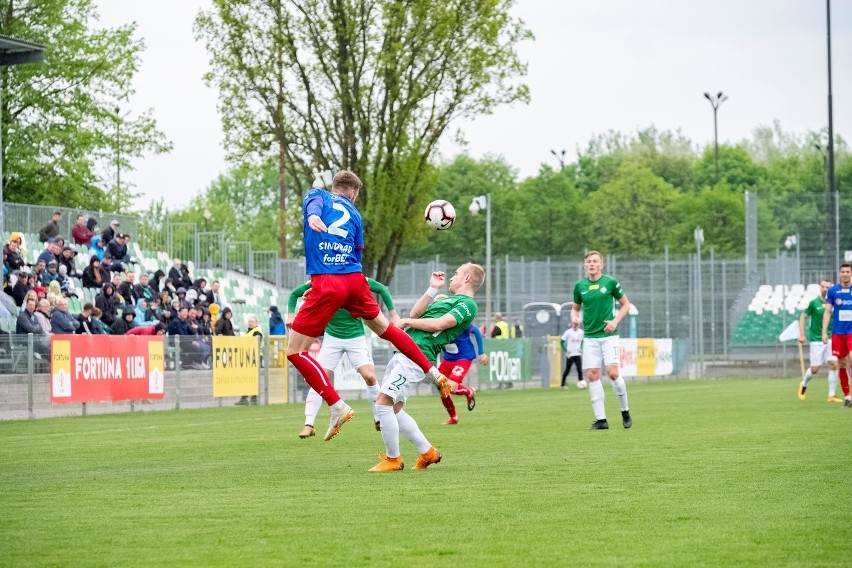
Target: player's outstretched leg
x=469 y=393
x=409 y=428
x=451 y=410
x=313 y=401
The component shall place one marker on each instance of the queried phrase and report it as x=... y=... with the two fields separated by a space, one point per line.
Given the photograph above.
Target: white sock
x=372 y=393
x=832 y=382
x=620 y=390
x=390 y=429
x=596 y=393
x=807 y=377
x=312 y=405
x=337 y=406
x=409 y=428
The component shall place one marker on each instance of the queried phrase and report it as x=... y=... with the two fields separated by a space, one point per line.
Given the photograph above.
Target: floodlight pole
x=479 y=203
x=716 y=101
x=832 y=189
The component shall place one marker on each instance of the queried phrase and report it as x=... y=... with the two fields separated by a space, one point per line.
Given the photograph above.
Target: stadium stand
x=771 y=309
x=245 y=296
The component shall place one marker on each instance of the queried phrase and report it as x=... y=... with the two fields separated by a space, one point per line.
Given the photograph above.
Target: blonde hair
x=590 y=253
x=476 y=273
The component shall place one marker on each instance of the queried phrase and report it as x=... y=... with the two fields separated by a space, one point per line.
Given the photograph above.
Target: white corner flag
x=792 y=332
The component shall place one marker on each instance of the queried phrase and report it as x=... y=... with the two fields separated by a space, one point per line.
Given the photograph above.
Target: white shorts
x=821 y=354
x=333 y=348
x=601 y=352
x=399 y=373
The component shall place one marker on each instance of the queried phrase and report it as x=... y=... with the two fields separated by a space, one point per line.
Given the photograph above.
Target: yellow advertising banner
x=60 y=368
x=646 y=357
x=236 y=364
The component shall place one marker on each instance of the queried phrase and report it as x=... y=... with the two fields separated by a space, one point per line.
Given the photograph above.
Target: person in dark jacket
x=108 y=303
x=61 y=321
x=125 y=323
x=67 y=258
x=224 y=325
x=179 y=275
x=108 y=234
x=86 y=319
x=276 y=322
x=27 y=323
x=50 y=230
x=95 y=275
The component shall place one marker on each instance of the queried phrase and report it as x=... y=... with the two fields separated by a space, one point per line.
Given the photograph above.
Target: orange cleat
x=427 y=459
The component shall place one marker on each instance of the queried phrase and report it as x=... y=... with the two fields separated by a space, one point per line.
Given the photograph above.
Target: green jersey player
x=820 y=352
x=432 y=325
x=344 y=334
x=594 y=297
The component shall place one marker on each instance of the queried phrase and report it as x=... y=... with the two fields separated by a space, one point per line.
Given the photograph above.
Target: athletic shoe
x=427 y=459
x=254 y=401
x=389 y=464
x=600 y=425
x=307 y=432
x=834 y=399
x=625 y=418
x=847 y=403
x=802 y=390
x=378 y=426
x=471 y=399
x=452 y=420
x=244 y=401
x=338 y=419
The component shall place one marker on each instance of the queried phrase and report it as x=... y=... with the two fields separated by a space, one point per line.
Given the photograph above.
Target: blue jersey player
x=838 y=309
x=456 y=359
x=334 y=242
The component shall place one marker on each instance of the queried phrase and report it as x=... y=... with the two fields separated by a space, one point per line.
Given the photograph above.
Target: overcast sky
x=593 y=67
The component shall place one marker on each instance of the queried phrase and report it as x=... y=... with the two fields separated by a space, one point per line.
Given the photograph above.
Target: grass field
x=713 y=473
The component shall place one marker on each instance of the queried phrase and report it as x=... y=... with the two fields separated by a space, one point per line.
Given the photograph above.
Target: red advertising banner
x=94 y=368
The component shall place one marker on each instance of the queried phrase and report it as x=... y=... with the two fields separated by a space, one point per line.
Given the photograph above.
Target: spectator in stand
x=95 y=275
x=27 y=322
x=108 y=234
x=181 y=296
x=204 y=327
x=98 y=323
x=125 y=323
x=51 y=229
x=85 y=320
x=66 y=258
x=62 y=322
x=276 y=322
x=127 y=289
x=178 y=325
x=38 y=269
x=54 y=292
x=111 y=264
x=109 y=304
x=19 y=238
x=66 y=285
x=144 y=314
x=215 y=296
x=51 y=251
x=179 y=275
x=82 y=233
x=22 y=286
x=42 y=316
x=144 y=290
x=162 y=304
x=12 y=258
x=117 y=247
x=199 y=287
x=96 y=250
x=51 y=274
x=156 y=328
x=224 y=325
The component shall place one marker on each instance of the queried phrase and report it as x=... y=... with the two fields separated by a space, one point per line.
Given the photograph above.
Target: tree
x=632 y=214
x=59 y=117
x=365 y=85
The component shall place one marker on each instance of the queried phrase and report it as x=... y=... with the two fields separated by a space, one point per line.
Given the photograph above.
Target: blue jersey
x=840 y=300
x=461 y=348
x=338 y=250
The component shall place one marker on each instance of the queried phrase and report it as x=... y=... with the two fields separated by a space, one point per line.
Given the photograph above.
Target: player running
x=594 y=296
x=456 y=359
x=343 y=335
x=431 y=326
x=820 y=353
x=334 y=243
x=838 y=310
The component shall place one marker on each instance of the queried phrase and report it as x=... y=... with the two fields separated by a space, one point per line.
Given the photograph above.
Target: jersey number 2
x=334 y=228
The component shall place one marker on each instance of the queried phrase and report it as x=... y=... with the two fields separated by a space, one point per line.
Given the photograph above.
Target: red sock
x=314 y=376
x=462 y=390
x=844 y=380
x=407 y=347
x=448 y=404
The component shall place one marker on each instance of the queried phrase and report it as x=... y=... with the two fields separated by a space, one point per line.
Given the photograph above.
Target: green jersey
x=596 y=299
x=342 y=324
x=815 y=311
x=463 y=309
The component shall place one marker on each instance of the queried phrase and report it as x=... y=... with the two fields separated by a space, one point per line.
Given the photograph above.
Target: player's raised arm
x=436 y=282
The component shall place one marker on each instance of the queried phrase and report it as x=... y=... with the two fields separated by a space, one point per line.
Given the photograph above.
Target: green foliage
x=365 y=85
x=712 y=473
x=63 y=133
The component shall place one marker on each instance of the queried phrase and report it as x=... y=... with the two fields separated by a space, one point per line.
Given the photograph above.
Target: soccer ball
x=440 y=214
x=582 y=385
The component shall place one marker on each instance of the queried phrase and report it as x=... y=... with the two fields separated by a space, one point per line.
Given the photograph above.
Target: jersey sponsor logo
x=844 y=290
x=594 y=286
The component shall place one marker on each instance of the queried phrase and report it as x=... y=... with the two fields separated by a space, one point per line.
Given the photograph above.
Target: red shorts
x=329 y=293
x=455 y=370
x=841 y=345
